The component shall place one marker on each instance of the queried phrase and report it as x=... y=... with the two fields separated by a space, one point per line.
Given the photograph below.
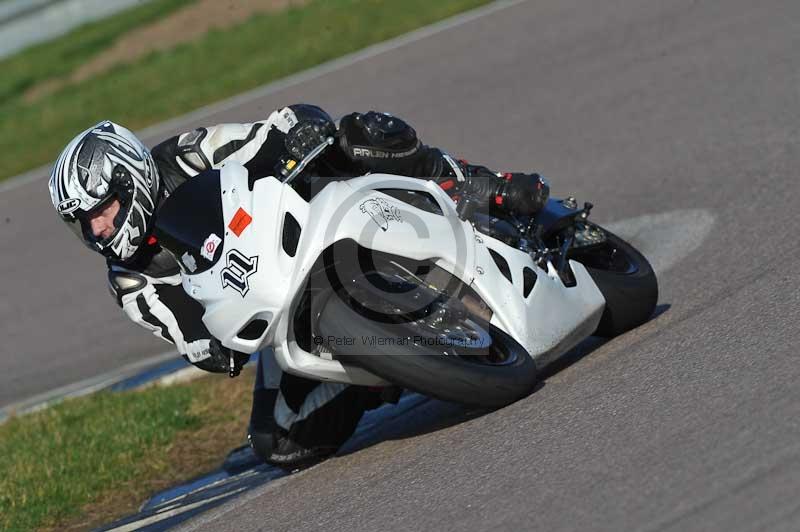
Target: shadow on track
x=415 y=414
x=588 y=346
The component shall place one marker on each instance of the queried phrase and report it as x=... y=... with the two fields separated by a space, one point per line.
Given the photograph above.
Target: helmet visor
x=79 y=224
x=80 y=228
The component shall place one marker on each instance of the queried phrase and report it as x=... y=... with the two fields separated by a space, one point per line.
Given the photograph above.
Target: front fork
x=557 y=229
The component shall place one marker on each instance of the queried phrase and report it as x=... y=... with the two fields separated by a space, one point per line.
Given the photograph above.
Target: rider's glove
x=308 y=134
x=222 y=360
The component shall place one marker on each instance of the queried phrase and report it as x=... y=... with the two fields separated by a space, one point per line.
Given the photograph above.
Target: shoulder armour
x=190 y=151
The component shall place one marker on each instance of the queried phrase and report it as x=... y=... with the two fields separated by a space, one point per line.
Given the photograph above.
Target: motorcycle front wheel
x=471 y=362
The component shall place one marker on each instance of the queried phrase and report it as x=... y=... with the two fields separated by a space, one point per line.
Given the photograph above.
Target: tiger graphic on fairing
x=381 y=212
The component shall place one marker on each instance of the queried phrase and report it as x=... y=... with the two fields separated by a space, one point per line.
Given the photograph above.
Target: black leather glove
x=222 y=360
x=313 y=127
x=307 y=135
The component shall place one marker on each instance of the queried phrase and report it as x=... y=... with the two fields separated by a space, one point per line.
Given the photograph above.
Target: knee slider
x=262 y=443
x=380 y=131
x=380 y=142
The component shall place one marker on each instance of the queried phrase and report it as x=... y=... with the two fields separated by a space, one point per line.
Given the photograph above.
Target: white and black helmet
x=103 y=163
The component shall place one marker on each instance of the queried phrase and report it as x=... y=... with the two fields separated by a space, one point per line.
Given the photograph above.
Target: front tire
x=487 y=376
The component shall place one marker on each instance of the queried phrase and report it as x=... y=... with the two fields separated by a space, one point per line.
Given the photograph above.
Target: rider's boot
x=495 y=192
x=317 y=419
x=274 y=444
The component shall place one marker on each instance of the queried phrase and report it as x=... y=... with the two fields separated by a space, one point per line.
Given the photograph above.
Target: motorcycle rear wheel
x=626 y=280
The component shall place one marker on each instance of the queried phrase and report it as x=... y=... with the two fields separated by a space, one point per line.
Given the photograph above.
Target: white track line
x=83 y=387
x=167 y=514
x=295 y=79
x=666 y=238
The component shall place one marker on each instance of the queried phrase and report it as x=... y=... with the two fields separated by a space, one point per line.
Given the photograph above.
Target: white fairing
x=551 y=320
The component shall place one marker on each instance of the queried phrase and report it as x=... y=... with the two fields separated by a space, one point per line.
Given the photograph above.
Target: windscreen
x=190 y=223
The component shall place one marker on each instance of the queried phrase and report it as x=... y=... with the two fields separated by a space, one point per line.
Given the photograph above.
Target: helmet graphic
x=102 y=164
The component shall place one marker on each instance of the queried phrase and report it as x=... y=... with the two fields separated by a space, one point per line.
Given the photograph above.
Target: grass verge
x=90 y=460
x=60 y=56
x=221 y=64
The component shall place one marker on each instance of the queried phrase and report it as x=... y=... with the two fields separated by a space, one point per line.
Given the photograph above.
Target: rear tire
x=631 y=294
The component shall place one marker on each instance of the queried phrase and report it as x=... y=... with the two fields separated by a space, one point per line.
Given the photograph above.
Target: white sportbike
x=383 y=279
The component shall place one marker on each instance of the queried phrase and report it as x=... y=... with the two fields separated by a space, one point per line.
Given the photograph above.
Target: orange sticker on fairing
x=240 y=222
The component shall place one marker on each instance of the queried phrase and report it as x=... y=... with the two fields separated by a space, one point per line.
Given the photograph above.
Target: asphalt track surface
x=659 y=112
